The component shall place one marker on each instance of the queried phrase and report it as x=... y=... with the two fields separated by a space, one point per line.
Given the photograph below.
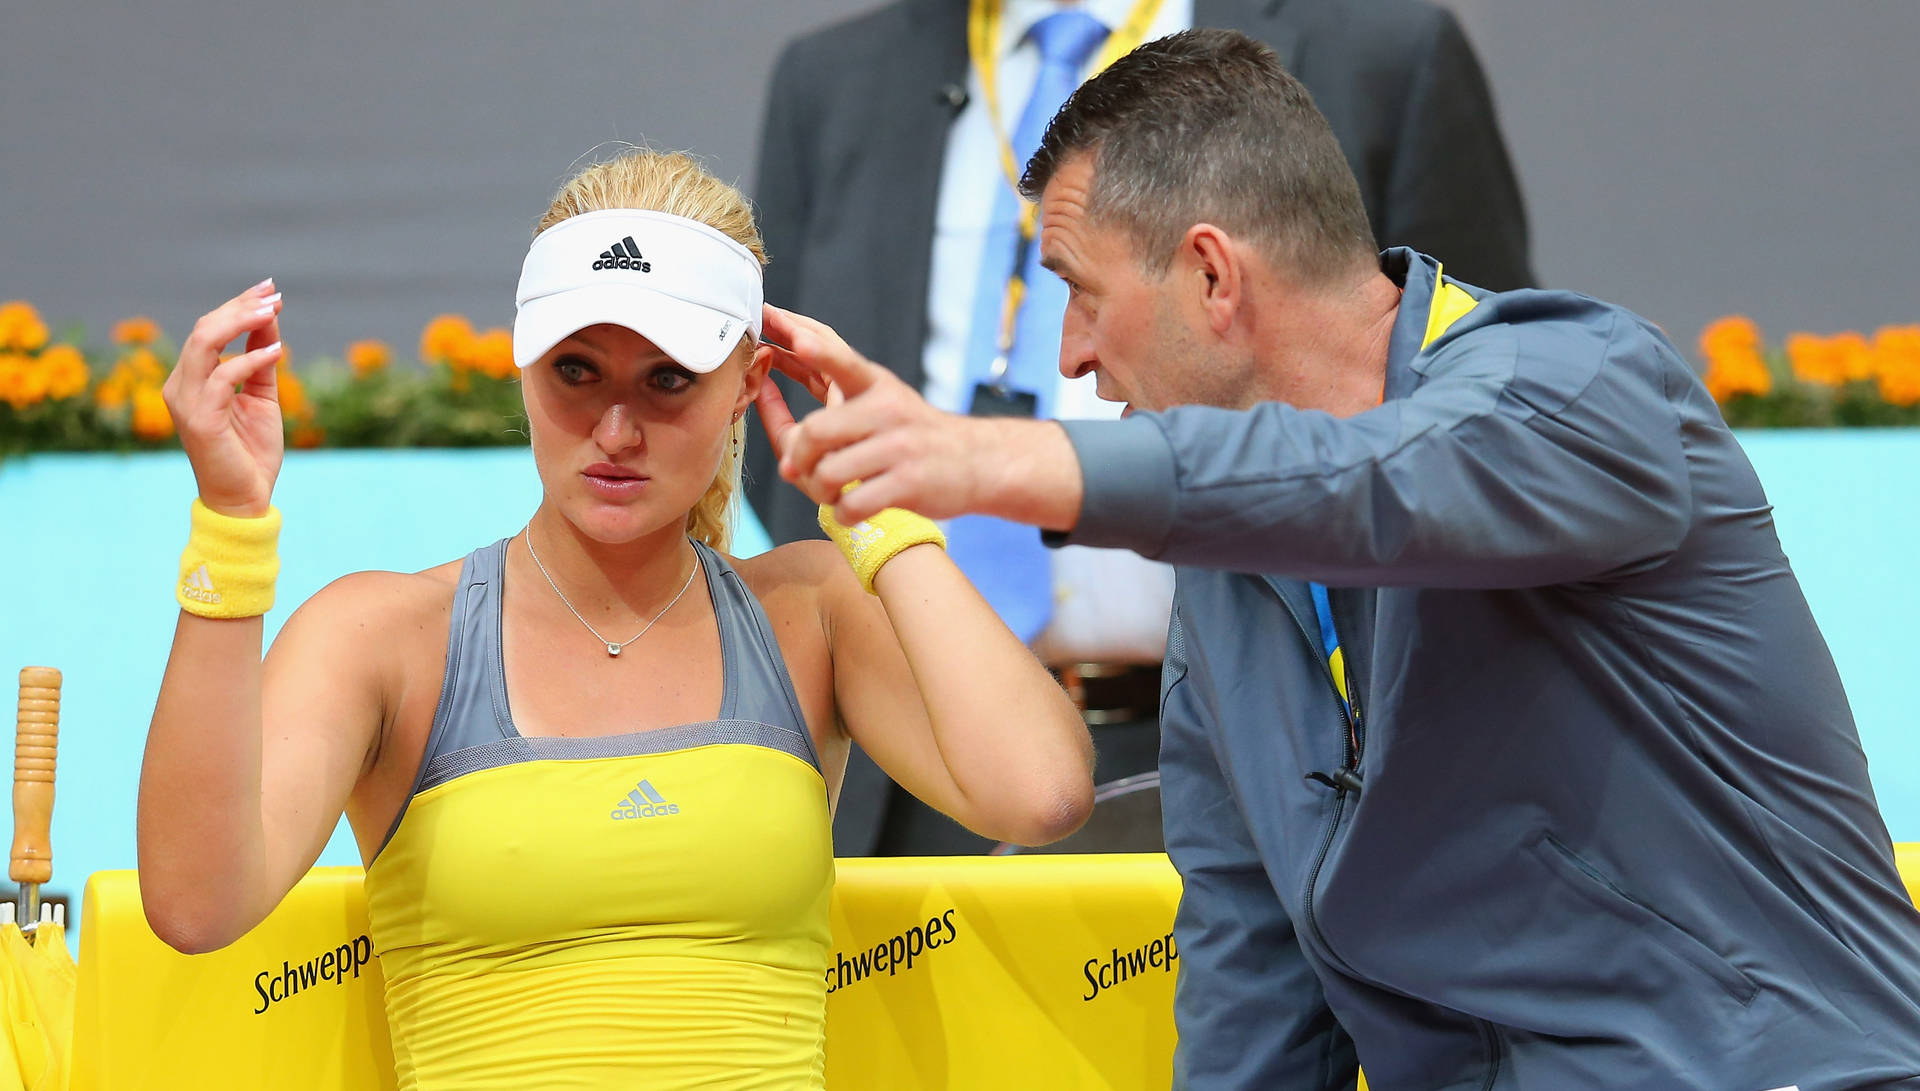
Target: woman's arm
x=945 y=698
x=232 y=811
x=952 y=705
x=248 y=766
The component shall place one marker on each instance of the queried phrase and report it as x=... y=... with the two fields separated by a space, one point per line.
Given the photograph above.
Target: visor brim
x=697 y=337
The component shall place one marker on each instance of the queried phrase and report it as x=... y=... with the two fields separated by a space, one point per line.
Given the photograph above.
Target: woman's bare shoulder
x=383 y=630
x=391 y=600
x=807 y=567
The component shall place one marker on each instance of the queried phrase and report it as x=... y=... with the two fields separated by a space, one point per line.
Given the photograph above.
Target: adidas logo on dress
x=624 y=254
x=199 y=587
x=644 y=802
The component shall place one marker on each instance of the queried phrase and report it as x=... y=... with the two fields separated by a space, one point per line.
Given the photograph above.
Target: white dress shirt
x=1109 y=605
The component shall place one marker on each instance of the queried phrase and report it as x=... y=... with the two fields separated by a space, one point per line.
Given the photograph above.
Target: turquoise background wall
x=89 y=547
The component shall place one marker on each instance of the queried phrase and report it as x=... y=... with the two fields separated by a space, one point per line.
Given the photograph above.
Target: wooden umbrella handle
x=35 y=750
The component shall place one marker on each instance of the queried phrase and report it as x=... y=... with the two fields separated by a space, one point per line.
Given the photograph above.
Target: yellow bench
x=963 y=972
x=1024 y=971
x=272 y=1010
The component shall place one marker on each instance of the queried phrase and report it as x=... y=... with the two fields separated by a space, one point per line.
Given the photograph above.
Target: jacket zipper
x=1342 y=782
x=1346 y=780
x=1352 y=717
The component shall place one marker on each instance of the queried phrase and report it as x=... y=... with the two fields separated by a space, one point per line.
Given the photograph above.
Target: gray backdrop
x=386 y=161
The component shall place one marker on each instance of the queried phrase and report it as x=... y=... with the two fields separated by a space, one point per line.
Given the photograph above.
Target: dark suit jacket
x=856 y=127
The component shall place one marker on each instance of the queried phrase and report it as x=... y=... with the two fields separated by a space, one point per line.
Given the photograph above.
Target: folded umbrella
x=36 y=981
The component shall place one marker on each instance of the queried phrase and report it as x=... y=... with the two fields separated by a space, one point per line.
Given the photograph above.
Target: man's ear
x=1211 y=263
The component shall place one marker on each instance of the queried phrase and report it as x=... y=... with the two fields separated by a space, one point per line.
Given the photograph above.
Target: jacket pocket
x=1592 y=884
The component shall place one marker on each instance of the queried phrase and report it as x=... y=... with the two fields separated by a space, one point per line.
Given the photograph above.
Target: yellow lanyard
x=983 y=49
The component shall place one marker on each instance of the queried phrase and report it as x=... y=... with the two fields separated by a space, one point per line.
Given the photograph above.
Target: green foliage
x=416 y=407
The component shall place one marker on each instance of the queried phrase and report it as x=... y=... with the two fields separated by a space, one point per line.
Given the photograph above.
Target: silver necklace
x=613 y=649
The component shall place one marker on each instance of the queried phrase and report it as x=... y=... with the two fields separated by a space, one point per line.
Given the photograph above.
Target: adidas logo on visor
x=644 y=802
x=624 y=254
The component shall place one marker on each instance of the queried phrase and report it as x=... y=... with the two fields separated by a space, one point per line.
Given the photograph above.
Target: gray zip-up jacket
x=1604 y=821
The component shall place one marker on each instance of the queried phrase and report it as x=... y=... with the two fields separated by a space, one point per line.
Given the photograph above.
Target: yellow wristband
x=229 y=565
x=870 y=544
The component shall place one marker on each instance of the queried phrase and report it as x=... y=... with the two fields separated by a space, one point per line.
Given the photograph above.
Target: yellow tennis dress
x=636 y=911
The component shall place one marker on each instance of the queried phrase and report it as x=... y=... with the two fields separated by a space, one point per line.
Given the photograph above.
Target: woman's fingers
x=268 y=331
x=793 y=367
x=265 y=382
x=775 y=415
x=242 y=368
x=821 y=349
x=252 y=312
x=245 y=368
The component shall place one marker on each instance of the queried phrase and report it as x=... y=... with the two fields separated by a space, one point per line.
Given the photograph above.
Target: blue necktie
x=1005 y=560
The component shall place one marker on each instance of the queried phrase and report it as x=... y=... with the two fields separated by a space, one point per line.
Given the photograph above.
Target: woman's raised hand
x=228 y=412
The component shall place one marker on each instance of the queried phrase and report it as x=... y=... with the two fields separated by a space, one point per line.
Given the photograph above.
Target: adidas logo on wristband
x=624 y=254
x=199 y=587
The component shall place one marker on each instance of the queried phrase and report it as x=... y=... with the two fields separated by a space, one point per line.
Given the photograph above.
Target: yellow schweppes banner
x=957 y=973
x=988 y=972
x=998 y=972
x=295 y=1003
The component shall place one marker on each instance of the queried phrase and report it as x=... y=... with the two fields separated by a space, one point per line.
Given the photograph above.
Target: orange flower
x=20 y=327
x=1730 y=379
x=1816 y=360
x=1856 y=356
x=367 y=357
x=307 y=436
x=1896 y=356
x=151 y=420
x=22 y=383
x=136 y=369
x=445 y=339
x=138 y=330
x=114 y=391
x=65 y=371
x=1730 y=376
x=143 y=365
x=294 y=403
x=1734 y=364
x=1734 y=335
x=490 y=354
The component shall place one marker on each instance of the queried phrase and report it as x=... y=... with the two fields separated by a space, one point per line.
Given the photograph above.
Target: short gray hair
x=1206 y=126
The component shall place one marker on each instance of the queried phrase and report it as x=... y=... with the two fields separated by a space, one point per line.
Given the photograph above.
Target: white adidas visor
x=684 y=286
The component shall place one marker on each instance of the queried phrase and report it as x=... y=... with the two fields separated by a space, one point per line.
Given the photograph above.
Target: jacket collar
x=1418 y=277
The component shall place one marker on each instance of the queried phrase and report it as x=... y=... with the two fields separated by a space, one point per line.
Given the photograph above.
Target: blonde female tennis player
x=604 y=708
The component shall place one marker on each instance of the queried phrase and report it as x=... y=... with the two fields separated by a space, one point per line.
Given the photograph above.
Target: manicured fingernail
x=262 y=286
x=271 y=300
x=263 y=312
x=271 y=350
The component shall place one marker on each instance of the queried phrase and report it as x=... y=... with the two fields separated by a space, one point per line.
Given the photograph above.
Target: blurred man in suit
x=889 y=213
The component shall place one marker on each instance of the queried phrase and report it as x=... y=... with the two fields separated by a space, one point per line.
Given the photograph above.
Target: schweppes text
x=294 y=978
x=1121 y=966
x=896 y=953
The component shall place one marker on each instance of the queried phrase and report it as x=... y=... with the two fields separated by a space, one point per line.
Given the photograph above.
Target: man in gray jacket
x=1500 y=749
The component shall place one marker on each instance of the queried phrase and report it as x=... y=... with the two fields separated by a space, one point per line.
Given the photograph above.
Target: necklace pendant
x=613 y=649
